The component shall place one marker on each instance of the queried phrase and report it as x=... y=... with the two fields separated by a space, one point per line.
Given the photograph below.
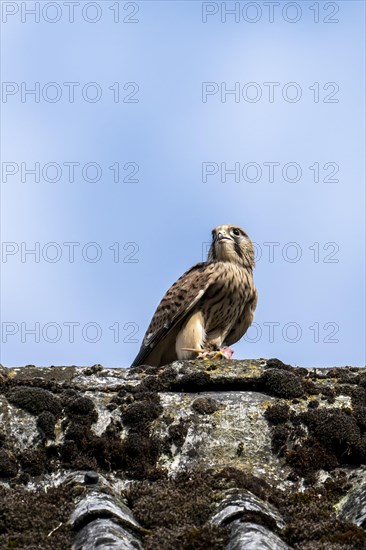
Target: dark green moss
x=359 y=412
x=8 y=464
x=282 y=383
x=27 y=518
x=35 y=400
x=205 y=405
x=186 y=537
x=192 y=382
x=336 y=430
x=310 y=457
x=46 y=424
x=161 y=380
x=178 y=433
x=180 y=519
x=278 y=364
x=81 y=407
x=139 y=454
x=277 y=413
x=280 y=436
x=238 y=479
x=34 y=461
x=95 y=369
x=150 y=384
x=343 y=375
x=142 y=412
x=312 y=522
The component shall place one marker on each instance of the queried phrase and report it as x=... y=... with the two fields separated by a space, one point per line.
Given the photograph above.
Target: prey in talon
x=222 y=353
x=209 y=308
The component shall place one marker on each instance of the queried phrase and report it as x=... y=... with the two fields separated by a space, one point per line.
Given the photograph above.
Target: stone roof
x=245 y=454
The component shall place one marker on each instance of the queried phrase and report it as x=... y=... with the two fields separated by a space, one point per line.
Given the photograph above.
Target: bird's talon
x=222 y=353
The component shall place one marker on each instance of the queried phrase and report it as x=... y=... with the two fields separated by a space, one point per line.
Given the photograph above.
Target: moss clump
x=280 y=436
x=34 y=461
x=277 y=413
x=312 y=522
x=35 y=400
x=205 y=405
x=8 y=464
x=238 y=479
x=321 y=437
x=93 y=370
x=339 y=433
x=192 y=382
x=144 y=411
x=358 y=396
x=84 y=450
x=160 y=380
x=167 y=376
x=185 y=505
x=359 y=412
x=277 y=364
x=82 y=407
x=26 y=518
x=141 y=450
x=177 y=433
x=344 y=375
x=46 y=424
x=308 y=458
x=333 y=427
x=139 y=454
x=187 y=538
x=282 y=383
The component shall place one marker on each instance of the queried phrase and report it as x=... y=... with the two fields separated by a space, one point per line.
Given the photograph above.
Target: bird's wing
x=175 y=306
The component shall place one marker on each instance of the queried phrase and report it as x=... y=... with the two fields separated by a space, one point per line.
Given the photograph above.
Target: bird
x=209 y=308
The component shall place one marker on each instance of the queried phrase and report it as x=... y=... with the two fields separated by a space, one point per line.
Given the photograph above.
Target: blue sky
x=144 y=88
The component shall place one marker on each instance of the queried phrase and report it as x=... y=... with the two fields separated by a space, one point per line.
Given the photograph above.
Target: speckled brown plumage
x=210 y=306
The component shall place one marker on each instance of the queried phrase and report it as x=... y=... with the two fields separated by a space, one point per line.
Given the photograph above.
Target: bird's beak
x=222 y=236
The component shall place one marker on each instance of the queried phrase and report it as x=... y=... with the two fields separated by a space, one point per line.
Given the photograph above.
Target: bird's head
x=230 y=243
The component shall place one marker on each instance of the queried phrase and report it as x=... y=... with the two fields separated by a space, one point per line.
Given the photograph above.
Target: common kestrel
x=209 y=307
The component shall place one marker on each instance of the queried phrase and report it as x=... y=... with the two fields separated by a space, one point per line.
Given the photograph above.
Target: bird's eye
x=236 y=232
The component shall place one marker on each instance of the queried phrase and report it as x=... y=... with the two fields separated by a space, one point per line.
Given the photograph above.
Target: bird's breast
x=225 y=299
